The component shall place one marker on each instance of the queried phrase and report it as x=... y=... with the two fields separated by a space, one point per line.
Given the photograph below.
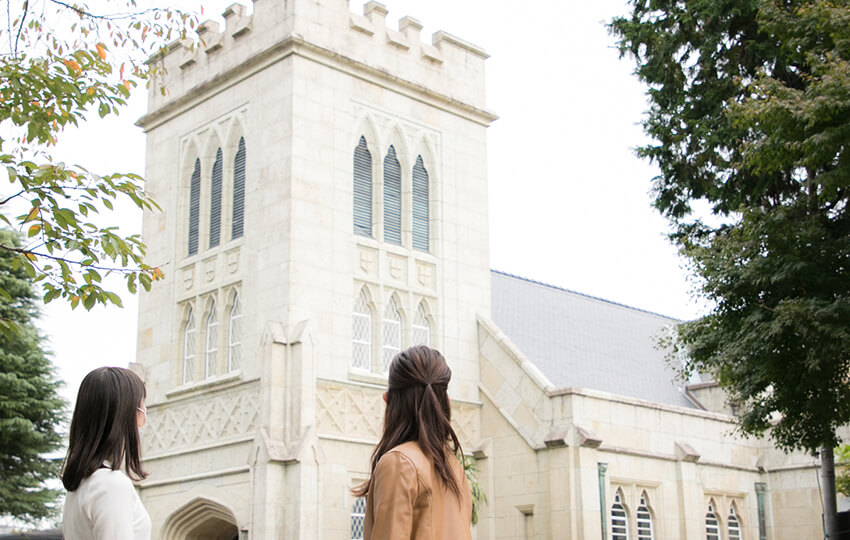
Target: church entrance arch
x=202 y=519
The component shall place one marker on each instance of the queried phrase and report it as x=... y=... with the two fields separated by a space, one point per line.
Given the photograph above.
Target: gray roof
x=581 y=341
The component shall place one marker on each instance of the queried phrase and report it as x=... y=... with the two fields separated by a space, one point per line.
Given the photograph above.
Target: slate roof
x=581 y=341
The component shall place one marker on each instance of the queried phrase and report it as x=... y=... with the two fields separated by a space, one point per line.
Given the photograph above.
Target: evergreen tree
x=30 y=407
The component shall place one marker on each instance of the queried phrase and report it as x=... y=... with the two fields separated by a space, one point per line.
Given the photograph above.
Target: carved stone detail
x=209 y=270
x=214 y=416
x=397 y=267
x=232 y=261
x=366 y=258
x=188 y=278
x=425 y=274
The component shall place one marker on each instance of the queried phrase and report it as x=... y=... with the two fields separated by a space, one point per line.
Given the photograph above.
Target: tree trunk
x=830 y=507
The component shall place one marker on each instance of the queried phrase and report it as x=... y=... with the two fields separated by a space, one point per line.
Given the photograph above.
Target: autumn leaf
x=101 y=51
x=73 y=66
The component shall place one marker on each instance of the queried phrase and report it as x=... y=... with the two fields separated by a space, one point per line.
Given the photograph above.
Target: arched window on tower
x=215 y=199
x=361 y=353
x=194 y=208
x=619 y=518
x=712 y=527
x=421 y=328
x=420 y=208
x=189 y=346
x=391 y=333
x=211 y=350
x=234 y=334
x=733 y=524
x=358 y=516
x=362 y=189
x=645 y=530
x=239 y=162
x=392 y=198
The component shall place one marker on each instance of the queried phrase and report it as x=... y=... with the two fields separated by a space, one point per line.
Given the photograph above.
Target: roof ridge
x=599 y=298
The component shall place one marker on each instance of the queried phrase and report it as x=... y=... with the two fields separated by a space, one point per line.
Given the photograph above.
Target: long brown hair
x=418 y=410
x=103 y=427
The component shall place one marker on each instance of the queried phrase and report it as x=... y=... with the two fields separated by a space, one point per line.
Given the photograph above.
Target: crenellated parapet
x=448 y=69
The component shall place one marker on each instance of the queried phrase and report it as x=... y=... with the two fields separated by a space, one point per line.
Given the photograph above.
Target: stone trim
x=193 y=477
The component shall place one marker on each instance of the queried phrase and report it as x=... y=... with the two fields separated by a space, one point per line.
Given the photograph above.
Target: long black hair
x=418 y=409
x=103 y=427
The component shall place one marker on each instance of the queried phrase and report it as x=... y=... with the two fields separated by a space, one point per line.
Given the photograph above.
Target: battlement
x=449 y=68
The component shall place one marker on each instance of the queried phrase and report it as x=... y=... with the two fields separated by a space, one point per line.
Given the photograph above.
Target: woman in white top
x=102 y=503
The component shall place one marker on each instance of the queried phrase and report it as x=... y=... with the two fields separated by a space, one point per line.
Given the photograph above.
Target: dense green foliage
x=750 y=115
x=30 y=408
x=62 y=63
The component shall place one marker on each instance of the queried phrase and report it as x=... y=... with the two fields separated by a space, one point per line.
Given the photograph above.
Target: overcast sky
x=569 y=201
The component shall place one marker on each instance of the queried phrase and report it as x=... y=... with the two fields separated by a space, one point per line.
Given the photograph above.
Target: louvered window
x=734 y=525
x=644 y=520
x=194 y=207
x=234 y=335
x=358 y=515
x=421 y=328
x=619 y=520
x=211 y=354
x=238 y=191
x=189 y=347
x=420 y=206
x=392 y=198
x=362 y=189
x=391 y=333
x=215 y=200
x=712 y=527
x=361 y=354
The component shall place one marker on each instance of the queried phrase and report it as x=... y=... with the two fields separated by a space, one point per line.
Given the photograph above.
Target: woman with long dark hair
x=103 y=449
x=417 y=489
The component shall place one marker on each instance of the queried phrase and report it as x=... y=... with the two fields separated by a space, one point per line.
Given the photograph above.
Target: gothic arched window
x=362 y=189
x=358 y=515
x=421 y=328
x=391 y=333
x=361 y=341
x=420 y=208
x=215 y=199
x=194 y=207
x=234 y=334
x=238 y=220
x=211 y=354
x=392 y=198
x=189 y=346
x=619 y=518
x=645 y=530
x=712 y=526
x=733 y=524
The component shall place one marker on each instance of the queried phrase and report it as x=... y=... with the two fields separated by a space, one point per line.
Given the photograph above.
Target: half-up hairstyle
x=418 y=410
x=103 y=427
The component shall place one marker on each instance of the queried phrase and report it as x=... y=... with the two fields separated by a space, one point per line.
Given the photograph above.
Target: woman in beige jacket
x=417 y=489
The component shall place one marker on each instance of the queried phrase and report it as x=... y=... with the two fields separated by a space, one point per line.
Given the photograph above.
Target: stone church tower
x=322 y=179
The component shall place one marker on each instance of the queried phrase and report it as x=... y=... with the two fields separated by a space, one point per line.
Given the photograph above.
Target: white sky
x=569 y=201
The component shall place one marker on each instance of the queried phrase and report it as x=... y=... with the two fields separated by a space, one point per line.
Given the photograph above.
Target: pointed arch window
x=234 y=334
x=358 y=516
x=421 y=328
x=733 y=524
x=619 y=518
x=361 y=354
x=211 y=354
x=392 y=198
x=712 y=527
x=362 y=189
x=189 y=346
x=238 y=220
x=215 y=199
x=194 y=208
x=420 y=208
x=391 y=333
x=645 y=530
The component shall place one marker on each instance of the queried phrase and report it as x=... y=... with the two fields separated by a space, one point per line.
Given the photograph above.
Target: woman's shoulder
x=408 y=457
x=108 y=479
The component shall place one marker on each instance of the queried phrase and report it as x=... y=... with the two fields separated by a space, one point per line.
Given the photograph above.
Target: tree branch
x=22 y=251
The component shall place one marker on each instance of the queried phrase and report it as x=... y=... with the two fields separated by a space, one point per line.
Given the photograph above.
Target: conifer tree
x=30 y=407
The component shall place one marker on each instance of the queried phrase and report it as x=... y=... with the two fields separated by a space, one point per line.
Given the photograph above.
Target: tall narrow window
x=358 y=515
x=211 y=355
x=361 y=353
x=362 y=189
x=234 y=335
x=215 y=200
x=712 y=527
x=619 y=519
x=420 y=208
x=194 y=207
x=238 y=221
x=421 y=328
x=733 y=525
x=392 y=198
x=644 y=520
x=189 y=347
x=391 y=332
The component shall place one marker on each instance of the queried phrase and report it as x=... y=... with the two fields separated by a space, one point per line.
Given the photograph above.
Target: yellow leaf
x=121 y=74
x=127 y=85
x=75 y=67
x=30 y=256
x=32 y=214
x=33 y=230
x=101 y=51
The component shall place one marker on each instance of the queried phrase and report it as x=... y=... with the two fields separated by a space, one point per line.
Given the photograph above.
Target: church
x=322 y=177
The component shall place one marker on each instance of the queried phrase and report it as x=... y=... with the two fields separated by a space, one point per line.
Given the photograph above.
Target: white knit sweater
x=105 y=507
